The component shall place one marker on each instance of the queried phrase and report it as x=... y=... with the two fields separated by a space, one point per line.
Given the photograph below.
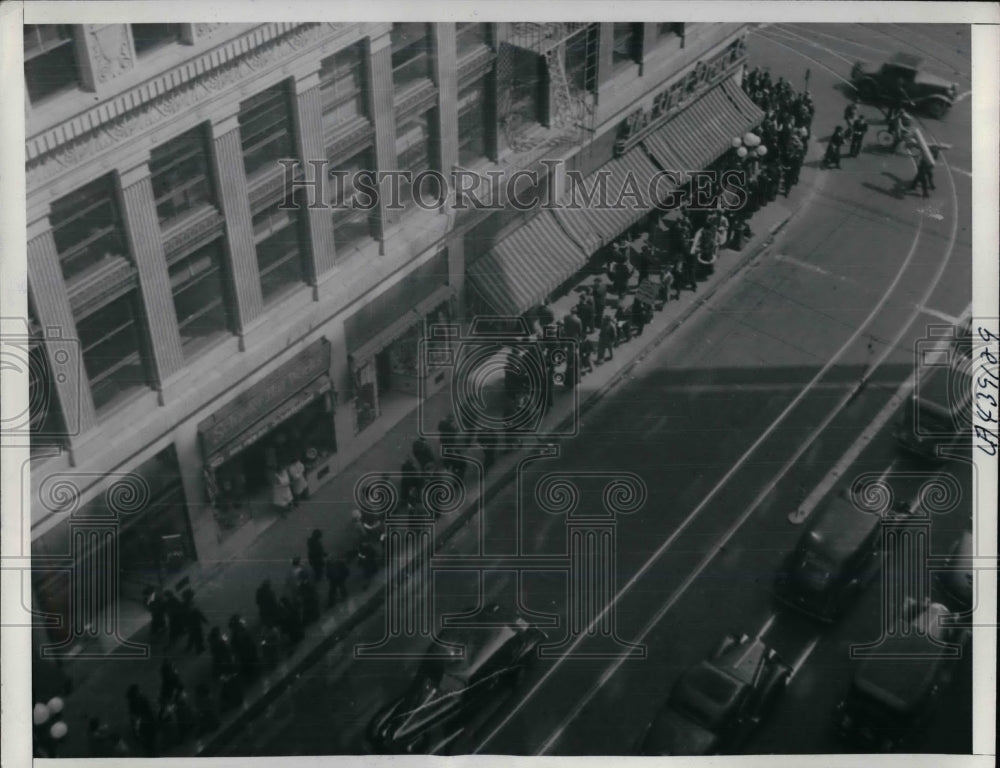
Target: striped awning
x=602 y=221
x=527 y=265
x=699 y=134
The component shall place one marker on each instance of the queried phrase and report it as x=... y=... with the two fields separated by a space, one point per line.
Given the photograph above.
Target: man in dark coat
x=336 y=577
x=606 y=340
x=585 y=310
x=195 y=620
x=157 y=610
x=858 y=131
x=423 y=453
x=267 y=604
x=316 y=554
x=572 y=327
x=925 y=175
x=600 y=292
x=832 y=154
x=175 y=617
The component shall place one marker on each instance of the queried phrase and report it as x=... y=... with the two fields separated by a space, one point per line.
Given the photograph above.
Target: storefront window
x=279 y=251
x=342 y=86
x=110 y=339
x=351 y=226
x=87 y=228
x=472 y=122
x=411 y=60
x=49 y=60
x=627 y=45
x=524 y=94
x=180 y=175
x=198 y=284
x=265 y=130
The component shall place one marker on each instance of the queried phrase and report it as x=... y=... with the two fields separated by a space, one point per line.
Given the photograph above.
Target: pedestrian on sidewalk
x=244 y=647
x=223 y=661
x=291 y=621
x=423 y=453
x=205 y=710
x=142 y=720
x=606 y=340
x=308 y=598
x=586 y=351
x=619 y=278
x=295 y=574
x=157 y=611
x=851 y=113
x=572 y=327
x=832 y=154
x=585 y=310
x=858 y=131
x=170 y=682
x=299 y=481
x=281 y=491
x=600 y=292
x=176 y=623
x=639 y=316
x=267 y=604
x=195 y=621
x=316 y=553
x=337 y=573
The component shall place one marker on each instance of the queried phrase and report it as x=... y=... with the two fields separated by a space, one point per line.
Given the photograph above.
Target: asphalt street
x=731 y=424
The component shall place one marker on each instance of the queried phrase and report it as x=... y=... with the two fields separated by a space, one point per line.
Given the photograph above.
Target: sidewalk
x=229 y=588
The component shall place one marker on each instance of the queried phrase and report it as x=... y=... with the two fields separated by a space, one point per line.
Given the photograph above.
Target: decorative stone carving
x=49 y=164
x=205 y=30
x=110 y=51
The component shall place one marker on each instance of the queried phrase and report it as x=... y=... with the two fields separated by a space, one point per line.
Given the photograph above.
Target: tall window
x=411 y=61
x=149 y=37
x=265 y=129
x=414 y=153
x=87 y=228
x=110 y=339
x=627 y=45
x=49 y=60
x=469 y=36
x=279 y=250
x=180 y=175
x=581 y=59
x=342 y=86
x=351 y=226
x=473 y=118
x=197 y=284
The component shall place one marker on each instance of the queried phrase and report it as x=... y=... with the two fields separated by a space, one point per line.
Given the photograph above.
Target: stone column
x=446 y=77
x=384 y=117
x=146 y=246
x=62 y=347
x=309 y=138
x=241 y=254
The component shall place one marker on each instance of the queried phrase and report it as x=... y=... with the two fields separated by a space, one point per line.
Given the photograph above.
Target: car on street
x=956 y=579
x=717 y=704
x=903 y=78
x=893 y=694
x=451 y=690
x=837 y=556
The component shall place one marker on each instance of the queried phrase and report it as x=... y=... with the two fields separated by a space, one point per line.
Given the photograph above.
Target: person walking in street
x=858 y=131
x=832 y=154
x=586 y=351
x=223 y=662
x=851 y=112
x=316 y=554
x=157 y=611
x=267 y=604
x=423 y=453
x=244 y=647
x=299 y=481
x=142 y=719
x=337 y=573
x=195 y=620
x=295 y=574
x=585 y=310
x=638 y=316
x=176 y=626
x=281 y=491
x=600 y=293
x=619 y=278
x=291 y=621
x=606 y=340
x=925 y=173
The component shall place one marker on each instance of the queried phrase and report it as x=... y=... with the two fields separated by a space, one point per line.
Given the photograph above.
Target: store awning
x=527 y=265
x=699 y=134
x=603 y=220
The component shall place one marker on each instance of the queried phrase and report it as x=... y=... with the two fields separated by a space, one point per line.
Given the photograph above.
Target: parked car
x=892 y=695
x=837 y=556
x=902 y=78
x=715 y=706
x=450 y=691
x=957 y=579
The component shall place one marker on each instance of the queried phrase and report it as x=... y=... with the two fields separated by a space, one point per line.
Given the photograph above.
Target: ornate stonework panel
x=110 y=51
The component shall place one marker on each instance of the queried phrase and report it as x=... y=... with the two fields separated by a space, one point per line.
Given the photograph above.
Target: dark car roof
x=839 y=528
x=906 y=60
x=899 y=683
x=480 y=646
x=706 y=692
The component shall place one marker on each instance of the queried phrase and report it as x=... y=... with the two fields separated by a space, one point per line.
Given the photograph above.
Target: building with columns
x=191 y=330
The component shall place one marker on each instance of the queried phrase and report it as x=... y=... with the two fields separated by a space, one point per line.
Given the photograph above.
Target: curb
x=250 y=711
